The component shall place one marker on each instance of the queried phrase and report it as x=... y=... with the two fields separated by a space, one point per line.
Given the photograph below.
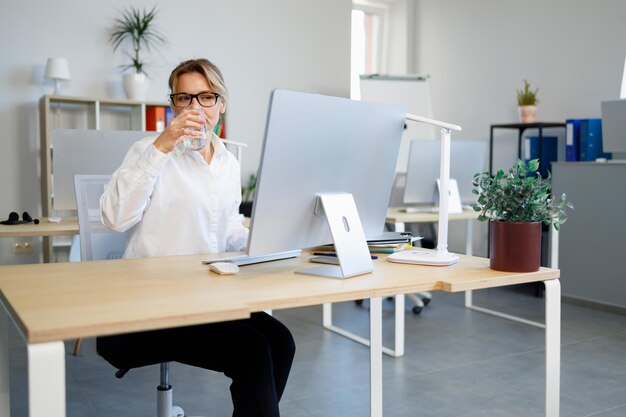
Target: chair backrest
x=96 y=241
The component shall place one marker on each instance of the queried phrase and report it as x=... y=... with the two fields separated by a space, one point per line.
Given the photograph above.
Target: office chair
x=98 y=242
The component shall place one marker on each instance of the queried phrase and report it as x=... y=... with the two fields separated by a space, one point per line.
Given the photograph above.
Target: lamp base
x=424 y=257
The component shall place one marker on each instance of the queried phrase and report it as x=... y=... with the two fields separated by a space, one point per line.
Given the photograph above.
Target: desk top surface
x=67 y=226
x=69 y=300
x=399 y=215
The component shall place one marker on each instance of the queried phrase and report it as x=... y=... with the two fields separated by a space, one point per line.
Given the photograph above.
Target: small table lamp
x=57 y=69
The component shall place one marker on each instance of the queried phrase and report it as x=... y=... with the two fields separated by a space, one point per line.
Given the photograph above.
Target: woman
x=183 y=201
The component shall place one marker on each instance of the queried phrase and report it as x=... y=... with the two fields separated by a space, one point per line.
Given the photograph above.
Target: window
x=367 y=40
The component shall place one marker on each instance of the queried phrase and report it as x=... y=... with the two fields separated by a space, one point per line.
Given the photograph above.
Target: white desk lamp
x=57 y=69
x=440 y=257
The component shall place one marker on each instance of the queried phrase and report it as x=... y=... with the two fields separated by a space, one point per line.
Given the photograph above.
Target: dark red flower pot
x=515 y=246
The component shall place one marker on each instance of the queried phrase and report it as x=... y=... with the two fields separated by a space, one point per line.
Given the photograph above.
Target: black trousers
x=256 y=353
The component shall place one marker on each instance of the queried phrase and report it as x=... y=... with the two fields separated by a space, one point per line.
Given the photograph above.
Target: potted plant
x=516 y=204
x=137 y=27
x=527 y=102
x=247 y=196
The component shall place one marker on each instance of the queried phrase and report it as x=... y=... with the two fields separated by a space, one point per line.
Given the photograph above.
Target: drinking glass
x=195 y=143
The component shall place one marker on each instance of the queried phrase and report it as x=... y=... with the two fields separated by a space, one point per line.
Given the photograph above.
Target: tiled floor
x=458 y=363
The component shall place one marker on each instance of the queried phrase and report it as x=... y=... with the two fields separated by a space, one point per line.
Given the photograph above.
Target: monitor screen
x=320 y=144
x=80 y=151
x=614 y=126
x=466 y=159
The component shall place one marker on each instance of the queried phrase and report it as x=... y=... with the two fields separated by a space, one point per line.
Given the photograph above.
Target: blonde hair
x=205 y=67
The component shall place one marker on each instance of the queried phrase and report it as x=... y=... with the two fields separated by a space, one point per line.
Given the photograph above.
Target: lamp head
x=57 y=69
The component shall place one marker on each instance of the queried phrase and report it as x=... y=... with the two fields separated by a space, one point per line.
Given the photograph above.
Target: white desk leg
x=376 y=357
x=327 y=315
x=553 y=347
x=399 y=322
x=5 y=388
x=46 y=379
x=327 y=322
x=469 y=250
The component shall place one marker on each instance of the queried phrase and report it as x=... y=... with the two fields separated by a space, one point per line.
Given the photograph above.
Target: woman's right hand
x=187 y=123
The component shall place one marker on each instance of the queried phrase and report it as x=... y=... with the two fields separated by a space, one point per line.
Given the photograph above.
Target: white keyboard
x=247 y=260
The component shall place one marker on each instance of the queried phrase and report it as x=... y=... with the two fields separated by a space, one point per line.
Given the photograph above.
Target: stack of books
x=388 y=242
x=391 y=242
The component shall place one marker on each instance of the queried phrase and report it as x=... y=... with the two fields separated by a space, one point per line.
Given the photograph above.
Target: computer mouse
x=224 y=268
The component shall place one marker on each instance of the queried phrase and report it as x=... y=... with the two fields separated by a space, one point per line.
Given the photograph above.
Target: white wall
x=295 y=44
x=478 y=53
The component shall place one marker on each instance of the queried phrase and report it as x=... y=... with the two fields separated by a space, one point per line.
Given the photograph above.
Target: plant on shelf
x=527 y=102
x=526 y=96
x=247 y=196
x=516 y=204
x=137 y=27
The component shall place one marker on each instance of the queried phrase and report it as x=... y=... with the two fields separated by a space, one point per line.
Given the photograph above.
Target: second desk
x=399 y=216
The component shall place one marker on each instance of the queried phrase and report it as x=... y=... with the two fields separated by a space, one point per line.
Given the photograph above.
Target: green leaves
x=527 y=97
x=521 y=195
x=137 y=27
x=247 y=191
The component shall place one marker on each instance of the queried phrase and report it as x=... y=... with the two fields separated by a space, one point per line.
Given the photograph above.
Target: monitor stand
x=348 y=236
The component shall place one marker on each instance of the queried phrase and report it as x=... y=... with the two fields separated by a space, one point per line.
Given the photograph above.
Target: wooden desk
x=50 y=303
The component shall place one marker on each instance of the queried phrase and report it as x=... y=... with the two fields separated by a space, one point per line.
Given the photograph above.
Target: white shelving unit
x=79 y=113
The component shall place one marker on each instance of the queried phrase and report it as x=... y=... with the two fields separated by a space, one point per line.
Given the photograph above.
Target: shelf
x=520 y=127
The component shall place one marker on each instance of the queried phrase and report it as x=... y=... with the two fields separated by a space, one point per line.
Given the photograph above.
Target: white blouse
x=179 y=204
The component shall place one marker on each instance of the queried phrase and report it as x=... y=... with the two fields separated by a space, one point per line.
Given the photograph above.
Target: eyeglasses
x=182 y=100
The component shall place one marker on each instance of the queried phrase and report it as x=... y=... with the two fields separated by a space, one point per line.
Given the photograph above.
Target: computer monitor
x=622 y=93
x=320 y=144
x=466 y=159
x=614 y=126
x=82 y=151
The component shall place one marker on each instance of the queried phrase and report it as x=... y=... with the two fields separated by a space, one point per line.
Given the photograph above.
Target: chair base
x=421 y=300
x=164 y=404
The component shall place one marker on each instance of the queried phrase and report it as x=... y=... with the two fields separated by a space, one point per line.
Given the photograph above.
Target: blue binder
x=572 y=140
x=549 y=145
x=591 y=140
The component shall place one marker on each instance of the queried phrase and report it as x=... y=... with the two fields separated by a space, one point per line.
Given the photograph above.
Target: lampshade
x=57 y=69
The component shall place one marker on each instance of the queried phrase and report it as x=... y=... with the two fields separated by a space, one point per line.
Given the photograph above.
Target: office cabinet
x=592 y=242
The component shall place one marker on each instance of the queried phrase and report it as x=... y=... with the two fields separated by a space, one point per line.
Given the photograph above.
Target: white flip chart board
x=409 y=91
